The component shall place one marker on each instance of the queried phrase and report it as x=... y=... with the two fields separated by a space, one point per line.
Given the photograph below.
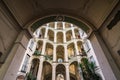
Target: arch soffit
x=49 y=43
x=47 y=62
x=74 y=62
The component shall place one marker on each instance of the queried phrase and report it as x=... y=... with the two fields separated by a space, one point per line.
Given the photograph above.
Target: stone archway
x=85 y=25
x=95 y=39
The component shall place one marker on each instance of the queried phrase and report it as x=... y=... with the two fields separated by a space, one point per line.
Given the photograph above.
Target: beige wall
x=100 y=52
x=18 y=52
x=112 y=40
x=8 y=34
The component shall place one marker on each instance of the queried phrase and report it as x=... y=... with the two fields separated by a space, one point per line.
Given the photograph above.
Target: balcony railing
x=48 y=57
x=37 y=53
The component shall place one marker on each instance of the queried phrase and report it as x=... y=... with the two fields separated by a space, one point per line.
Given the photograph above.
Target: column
x=43 y=48
x=73 y=33
x=53 y=71
x=55 y=36
x=63 y=25
x=107 y=65
x=76 y=48
x=80 y=75
x=66 y=53
x=46 y=32
x=55 y=25
x=64 y=36
x=54 y=54
x=67 y=72
x=40 y=68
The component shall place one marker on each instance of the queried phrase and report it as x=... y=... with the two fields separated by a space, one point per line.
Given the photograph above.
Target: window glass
x=31 y=44
x=24 y=67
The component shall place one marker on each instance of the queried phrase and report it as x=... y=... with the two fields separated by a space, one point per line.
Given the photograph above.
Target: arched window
x=25 y=64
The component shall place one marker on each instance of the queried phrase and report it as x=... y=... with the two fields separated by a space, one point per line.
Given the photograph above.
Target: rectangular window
x=87 y=47
x=31 y=44
x=24 y=67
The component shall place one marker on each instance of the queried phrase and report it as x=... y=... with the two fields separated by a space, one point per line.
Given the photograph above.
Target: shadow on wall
x=0 y=57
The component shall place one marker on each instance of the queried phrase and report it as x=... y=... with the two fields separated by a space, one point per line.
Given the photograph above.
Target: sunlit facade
x=56 y=53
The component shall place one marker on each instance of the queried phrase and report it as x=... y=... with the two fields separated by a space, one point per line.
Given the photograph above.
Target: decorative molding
x=65 y=18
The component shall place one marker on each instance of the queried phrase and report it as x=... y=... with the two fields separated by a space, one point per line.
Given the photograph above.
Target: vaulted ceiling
x=93 y=11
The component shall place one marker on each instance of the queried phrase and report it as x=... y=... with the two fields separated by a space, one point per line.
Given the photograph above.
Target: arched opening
x=59 y=37
x=69 y=35
x=59 y=25
x=60 y=53
x=71 y=50
x=52 y=24
x=49 y=51
x=74 y=72
x=79 y=45
x=77 y=34
x=62 y=34
x=34 y=69
x=67 y=25
x=74 y=47
x=46 y=71
x=50 y=35
x=39 y=48
x=60 y=72
x=42 y=32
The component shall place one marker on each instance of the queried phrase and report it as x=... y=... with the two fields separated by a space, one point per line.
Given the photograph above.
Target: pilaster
x=76 y=48
x=46 y=32
x=53 y=71
x=54 y=53
x=66 y=53
x=40 y=68
x=43 y=48
x=73 y=32
x=67 y=72
x=64 y=37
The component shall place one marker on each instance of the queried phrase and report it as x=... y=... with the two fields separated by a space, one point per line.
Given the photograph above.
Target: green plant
x=37 y=53
x=88 y=70
x=31 y=77
x=48 y=57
